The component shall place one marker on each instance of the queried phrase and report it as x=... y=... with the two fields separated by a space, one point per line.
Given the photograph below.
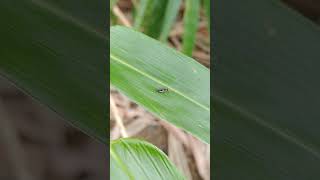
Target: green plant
x=57 y=54
x=156 y=18
x=136 y=72
x=141 y=66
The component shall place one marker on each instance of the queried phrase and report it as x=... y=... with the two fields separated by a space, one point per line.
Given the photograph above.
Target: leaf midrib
x=158 y=81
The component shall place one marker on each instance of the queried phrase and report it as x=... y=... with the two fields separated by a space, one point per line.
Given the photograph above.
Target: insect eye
x=162 y=90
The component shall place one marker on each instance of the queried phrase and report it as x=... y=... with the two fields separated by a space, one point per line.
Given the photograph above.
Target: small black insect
x=162 y=90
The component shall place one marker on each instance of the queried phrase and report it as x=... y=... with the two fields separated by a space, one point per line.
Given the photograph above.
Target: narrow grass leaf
x=140 y=13
x=153 y=18
x=167 y=83
x=191 y=19
x=207 y=8
x=170 y=16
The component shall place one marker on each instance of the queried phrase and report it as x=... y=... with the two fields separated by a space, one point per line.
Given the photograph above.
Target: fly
x=162 y=90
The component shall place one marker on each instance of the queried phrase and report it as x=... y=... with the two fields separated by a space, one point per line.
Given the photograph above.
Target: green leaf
x=191 y=19
x=207 y=8
x=140 y=66
x=266 y=92
x=170 y=16
x=151 y=23
x=56 y=52
x=135 y=159
x=141 y=11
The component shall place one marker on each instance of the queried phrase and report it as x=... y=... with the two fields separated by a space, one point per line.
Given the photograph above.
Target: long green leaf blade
x=134 y=159
x=141 y=12
x=207 y=8
x=266 y=92
x=170 y=15
x=58 y=55
x=191 y=19
x=141 y=66
x=153 y=15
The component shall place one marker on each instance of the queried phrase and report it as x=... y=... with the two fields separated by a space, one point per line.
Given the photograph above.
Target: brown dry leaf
x=178 y=156
x=201 y=154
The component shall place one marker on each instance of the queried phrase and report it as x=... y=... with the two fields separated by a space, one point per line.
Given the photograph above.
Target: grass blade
x=153 y=18
x=141 y=11
x=207 y=9
x=191 y=19
x=141 y=66
x=171 y=13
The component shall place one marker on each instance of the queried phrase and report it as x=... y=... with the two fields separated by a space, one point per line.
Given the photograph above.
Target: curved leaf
x=141 y=67
x=56 y=52
x=135 y=159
